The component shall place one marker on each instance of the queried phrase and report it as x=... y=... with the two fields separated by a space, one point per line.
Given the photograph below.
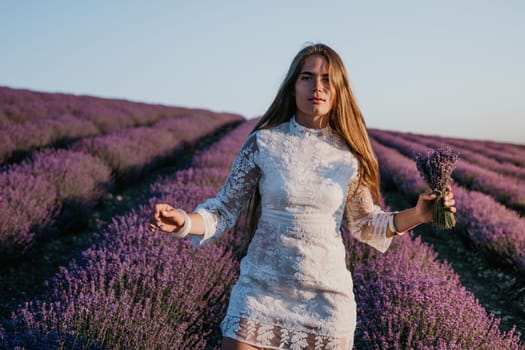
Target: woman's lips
x=316 y=100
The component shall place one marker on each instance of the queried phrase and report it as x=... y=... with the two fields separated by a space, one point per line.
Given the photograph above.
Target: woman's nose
x=318 y=85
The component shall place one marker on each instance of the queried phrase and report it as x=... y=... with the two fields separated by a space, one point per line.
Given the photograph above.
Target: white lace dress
x=294 y=290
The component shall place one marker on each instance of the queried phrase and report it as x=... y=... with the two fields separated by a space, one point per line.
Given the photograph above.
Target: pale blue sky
x=447 y=67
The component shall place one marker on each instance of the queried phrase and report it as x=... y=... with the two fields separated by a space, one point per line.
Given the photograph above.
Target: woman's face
x=314 y=94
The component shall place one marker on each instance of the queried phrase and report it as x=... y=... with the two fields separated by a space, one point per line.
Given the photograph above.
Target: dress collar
x=299 y=129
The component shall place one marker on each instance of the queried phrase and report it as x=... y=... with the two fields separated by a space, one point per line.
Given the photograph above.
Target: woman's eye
x=305 y=77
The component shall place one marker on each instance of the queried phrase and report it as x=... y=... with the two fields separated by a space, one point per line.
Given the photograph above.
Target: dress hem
x=249 y=331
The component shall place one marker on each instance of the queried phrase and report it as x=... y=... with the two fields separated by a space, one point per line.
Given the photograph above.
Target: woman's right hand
x=166 y=218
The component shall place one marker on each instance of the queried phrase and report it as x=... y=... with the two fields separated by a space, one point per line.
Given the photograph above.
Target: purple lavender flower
x=435 y=167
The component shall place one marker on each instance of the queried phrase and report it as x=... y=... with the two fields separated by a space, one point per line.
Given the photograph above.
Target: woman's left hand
x=425 y=204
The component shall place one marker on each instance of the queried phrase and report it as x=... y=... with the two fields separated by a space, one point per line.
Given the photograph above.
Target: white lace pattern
x=294 y=290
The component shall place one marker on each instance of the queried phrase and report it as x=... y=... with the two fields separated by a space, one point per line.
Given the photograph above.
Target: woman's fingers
x=172 y=216
x=155 y=223
x=153 y=220
x=159 y=208
x=163 y=218
x=428 y=196
x=448 y=201
x=166 y=218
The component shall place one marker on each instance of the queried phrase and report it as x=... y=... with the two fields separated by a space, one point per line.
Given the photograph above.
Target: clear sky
x=444 y=67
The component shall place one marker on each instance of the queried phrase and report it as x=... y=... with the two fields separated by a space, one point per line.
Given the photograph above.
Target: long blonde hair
x=345 y=118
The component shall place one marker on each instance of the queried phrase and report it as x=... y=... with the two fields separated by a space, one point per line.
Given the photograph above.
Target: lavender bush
x=18 y=106
x=504 y=153
x=190 y=128
x=26 y=136
x=55 y=191
x=33 y=194
x=406 y=299
x=509 y=192
x=487 y=224
x=151 y=147
x=436 y=166
x=134 y=279
x=492 y=228
x=30 y=120
x=136 y=290
x=131 y=152
x=35 y=339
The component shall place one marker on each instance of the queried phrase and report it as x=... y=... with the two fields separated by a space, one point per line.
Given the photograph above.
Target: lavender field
x=80 y=269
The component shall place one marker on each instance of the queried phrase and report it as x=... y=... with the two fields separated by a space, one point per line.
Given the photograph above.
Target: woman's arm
x=371 y=225
x=211 y=218
x=422 y=213
x=364 y=219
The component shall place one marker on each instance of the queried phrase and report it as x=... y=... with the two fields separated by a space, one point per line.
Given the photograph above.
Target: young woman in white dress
x=305 y=170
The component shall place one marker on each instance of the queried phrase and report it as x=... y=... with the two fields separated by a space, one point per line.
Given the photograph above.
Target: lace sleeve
x=365 y=220
x=221 y=212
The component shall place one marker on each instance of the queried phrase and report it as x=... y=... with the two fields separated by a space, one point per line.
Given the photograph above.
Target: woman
x=307 y=165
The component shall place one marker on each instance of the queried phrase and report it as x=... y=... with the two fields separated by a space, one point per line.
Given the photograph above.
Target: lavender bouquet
x=435 y=166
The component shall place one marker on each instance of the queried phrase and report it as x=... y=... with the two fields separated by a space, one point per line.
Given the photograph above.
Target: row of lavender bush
x=502 y=152
x=506 y=190
x=40 y=195
x=487 y=224
x=19 y=105
x=60 y=119
x=406 y=299
x=138 y=289
x=131 y=152
x=40 y=189
x=507 y=168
